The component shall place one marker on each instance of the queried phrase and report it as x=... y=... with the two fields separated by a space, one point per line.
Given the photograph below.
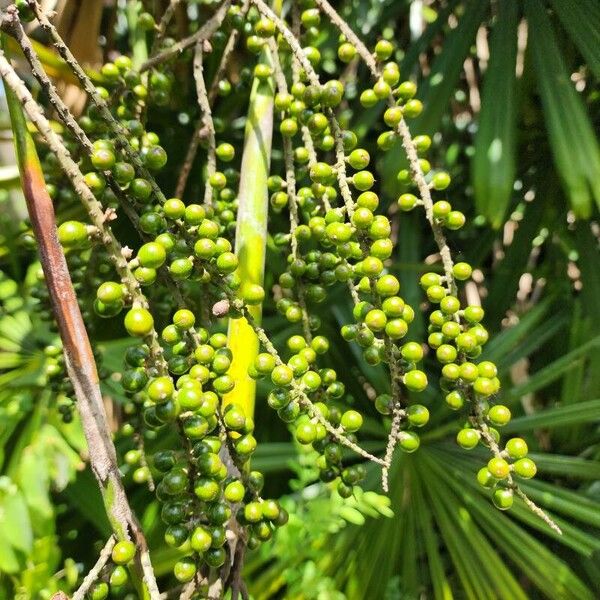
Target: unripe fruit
x=498 y=467
x=123 y=552
x=468 y=438
x=139 y=322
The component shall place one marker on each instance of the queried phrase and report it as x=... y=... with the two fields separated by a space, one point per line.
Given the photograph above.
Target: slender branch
x=122 y=135
x=204 y=33
x=398 y=412
x=479 y=422
x=440 y=239
x=424 y=191
x=94 y=572
x=161 y=28
x=289 y=37
x=290 y=179
x=195 y=141
x=207 y=121
x=350 y=35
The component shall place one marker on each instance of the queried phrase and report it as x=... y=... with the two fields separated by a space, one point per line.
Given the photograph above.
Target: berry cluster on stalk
x=175 y=290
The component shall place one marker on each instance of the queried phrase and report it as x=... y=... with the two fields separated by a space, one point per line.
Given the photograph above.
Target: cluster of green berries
x=197 y=492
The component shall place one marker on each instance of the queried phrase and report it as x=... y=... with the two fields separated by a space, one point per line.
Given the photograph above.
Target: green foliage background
x=512 y=87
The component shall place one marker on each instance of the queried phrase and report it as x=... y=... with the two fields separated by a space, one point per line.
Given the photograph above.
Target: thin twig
x=122 y=135
x=207 y=122
x=161 y=28
x=94 y=572
x=290 y=180
x=409 y=146
x=195 y=141
x=203 y=34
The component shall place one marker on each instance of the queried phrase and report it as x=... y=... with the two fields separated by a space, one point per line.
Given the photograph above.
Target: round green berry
x=351 y=421
x=415 y=381
x=123 y=552
x=282 y=375
x=359 y=159
x=409 y=441
x=516 y=448
x=503 y=498
x=499 y=415
x=72 y=234
x=440 y=181
x=139 y=322
x=103 y=159
x=110 y=292
x=155 y=158
x=468 y=438
x=498 y=467
x=346 y=52
x=485 y=478
x=225 y=152
x=525 y=468
x=201 y=539
x=412 y=352
x=185 y=569
x=418 y=415
x=306 y=432
x=152 y=255
x=234 y=491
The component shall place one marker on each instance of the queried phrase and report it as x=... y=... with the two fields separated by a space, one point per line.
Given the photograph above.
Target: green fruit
x=156 y=158
x=110 y=292
x=234 y=491
x=418 y=415
x=282 y=375
x=468 y=438
x=525 y=467
x=139 y=322
x=485 y=478
x=215 y=557
x=176 y=535
x=409 y=441
x=499 y=415
x=118 y=576
x=306 y=432
x=72 y=234
x=184 y=570
x=503 y=498
x=99 y=591
x=516 y=448
x=415 y=381
x=152 y=255
x=346 y=52
x=351 y=421
x=123 y=552
x=206 y=489
x=498 y=467
x=201 y=539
